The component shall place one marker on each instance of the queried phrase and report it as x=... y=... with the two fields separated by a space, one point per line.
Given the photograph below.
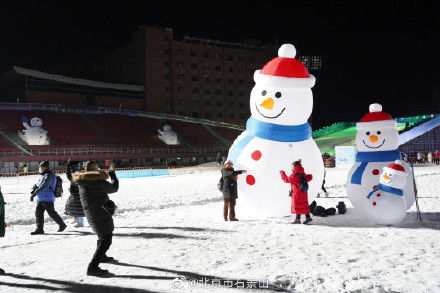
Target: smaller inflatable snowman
x=167 y=135
x=385 y=205
x=34 y=134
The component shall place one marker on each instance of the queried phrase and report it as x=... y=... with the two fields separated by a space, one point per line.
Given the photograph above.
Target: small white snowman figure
x=377 y=142
x=34 y=134
x=385 y=205
x=167 y=135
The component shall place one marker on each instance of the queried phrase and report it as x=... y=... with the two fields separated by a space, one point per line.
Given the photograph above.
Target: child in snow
x=229 y=190
x=2 y=221
x=298 y=180
x=73 y=205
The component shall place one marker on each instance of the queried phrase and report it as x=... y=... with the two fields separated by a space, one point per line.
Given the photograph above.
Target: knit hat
x=396 y=168
x=285 y=71
x=45 y=164
x=376 y=118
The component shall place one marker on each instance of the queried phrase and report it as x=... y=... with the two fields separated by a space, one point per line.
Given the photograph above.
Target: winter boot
x=37 y=232
x=107 y=259
x=98 y=272
x=308 y=220
x=297 y=221
x=62 y=228
x=233 y=220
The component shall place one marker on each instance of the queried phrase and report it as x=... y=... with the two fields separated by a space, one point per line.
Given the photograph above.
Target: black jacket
x=230 y=182
x=73 y=204
x=93 y=190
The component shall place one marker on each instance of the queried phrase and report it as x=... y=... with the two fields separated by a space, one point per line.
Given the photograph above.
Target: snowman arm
x=26 y=125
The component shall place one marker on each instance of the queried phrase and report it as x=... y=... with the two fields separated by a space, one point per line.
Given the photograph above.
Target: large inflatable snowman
x=377 y=141
x=385 y=205
x=167 y=135
x=34 y=134
x=276 y=134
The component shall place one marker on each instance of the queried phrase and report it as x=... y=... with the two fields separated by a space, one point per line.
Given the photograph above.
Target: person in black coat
x=73 y=205
x=2 y=221
x=229 y=190
x=98 y=209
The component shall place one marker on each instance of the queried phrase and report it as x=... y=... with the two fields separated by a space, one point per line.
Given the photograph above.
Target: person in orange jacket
x=299 y=185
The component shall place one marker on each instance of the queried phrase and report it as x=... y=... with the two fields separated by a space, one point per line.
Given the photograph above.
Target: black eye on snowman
x=368 y=133
x=278 y=95
x=263 y=93
x=379 y=132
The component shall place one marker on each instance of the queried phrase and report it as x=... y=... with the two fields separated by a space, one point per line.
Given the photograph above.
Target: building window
x=252 y=59
x=230 y=93
x=181 y=101
x=180 y=77
x=218 y=80
x=167 y=52
x=241 y=105
x=241 y=70
x=207 y=91
x=179 y=52
x=165 y=38
x=242 y=116
x=195 y=102
x=195 y=90
x=229 y=57
x=193 y=66
x=169 y=102
x=206 y=54
x=208 y=103
x=194 y=78
x=207 y=79
x=205 y=66
x=218 y=104
x=168 y=76
x=241 y=81
x=241 y=94
x=180 y=89
x=180 y=113
x=167 y=64
x=208 y=115
x=230 y=104
x=219 y=115
x=218 y=92
x=240 y=58
x=231 y=115
x=230 y=81
x=193 y=54
x=180 y=65
x=195 y=115
x=231 y=69
x=168 y=89
x=218 y=68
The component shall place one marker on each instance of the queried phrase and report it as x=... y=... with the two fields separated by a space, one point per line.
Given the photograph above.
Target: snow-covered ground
x=172 y=227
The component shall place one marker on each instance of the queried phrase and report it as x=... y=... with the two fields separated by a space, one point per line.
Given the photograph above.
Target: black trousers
x=49 y=207
x=103 y=244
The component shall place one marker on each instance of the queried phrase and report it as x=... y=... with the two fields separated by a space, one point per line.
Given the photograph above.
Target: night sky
x=374 y=51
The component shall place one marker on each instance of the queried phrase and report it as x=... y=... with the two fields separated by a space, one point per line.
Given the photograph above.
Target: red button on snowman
x=276 y=134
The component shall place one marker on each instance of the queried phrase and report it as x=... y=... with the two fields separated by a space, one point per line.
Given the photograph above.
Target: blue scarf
x=386 y=188
x=270 y=131
x=372 y=157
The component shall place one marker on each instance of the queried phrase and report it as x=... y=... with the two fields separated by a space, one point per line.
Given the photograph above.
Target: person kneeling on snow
x=98 y=209
x=229 y=190
x=45 y=193
x=73 y=205
x=2 y=221
x=299 y=186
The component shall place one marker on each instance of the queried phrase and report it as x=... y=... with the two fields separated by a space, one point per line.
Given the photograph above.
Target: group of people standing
x=422 y=157
x=88 y=198
x=298 y=181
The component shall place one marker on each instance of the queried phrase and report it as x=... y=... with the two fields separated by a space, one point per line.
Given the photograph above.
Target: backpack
x=220 y=184
x=303 y=184
x=58 y=187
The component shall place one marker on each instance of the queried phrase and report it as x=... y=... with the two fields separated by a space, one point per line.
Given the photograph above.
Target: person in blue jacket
x=44 y=190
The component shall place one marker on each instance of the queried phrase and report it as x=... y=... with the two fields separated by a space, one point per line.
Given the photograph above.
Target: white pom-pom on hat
x=375 y=107
x=287 y=51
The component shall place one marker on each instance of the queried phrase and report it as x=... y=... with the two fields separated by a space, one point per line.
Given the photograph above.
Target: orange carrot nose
x=374 y=138
x=386 y=177
x=268 y=104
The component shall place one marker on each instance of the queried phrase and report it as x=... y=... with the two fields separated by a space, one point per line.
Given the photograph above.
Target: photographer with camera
x=44 y=190
x=98 y=209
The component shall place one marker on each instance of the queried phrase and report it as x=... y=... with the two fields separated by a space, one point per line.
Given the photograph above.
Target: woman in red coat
x=300 y=202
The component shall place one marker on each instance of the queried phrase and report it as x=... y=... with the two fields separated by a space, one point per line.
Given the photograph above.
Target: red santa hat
x=376 y=118
x=285 y=71
x=395 y=168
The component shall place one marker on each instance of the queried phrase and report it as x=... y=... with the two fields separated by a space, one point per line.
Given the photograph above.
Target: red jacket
x=300 y=201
